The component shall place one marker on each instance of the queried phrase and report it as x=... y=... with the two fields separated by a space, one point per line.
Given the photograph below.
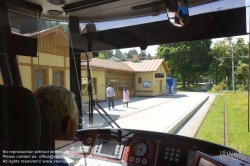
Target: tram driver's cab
x=20 y=118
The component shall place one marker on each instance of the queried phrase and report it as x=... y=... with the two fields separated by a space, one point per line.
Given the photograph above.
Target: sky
x=152 y=49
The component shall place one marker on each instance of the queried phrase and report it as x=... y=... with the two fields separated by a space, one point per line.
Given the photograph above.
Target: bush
x=241 y=87
x=217 y=88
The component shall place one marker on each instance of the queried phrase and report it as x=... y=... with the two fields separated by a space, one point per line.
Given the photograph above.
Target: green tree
x=101 y=56
x=135 y=51
x=131 y=53
x=125 y=54
x=143 y=53
x=118 y=52
x=186 y=60
x=107 y=54
x=149 y=56
x=241 y=73
x=221 y=66
x=46 y=24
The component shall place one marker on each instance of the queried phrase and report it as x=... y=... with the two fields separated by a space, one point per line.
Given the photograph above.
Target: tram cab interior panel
x=137 y=147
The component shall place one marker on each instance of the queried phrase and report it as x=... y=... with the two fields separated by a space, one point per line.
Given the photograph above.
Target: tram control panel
x=105 y=147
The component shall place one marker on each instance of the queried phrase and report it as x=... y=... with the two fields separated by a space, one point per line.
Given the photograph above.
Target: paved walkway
x=161 y=113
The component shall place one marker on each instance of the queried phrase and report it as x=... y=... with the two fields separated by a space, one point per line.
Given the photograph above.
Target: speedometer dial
x=140 y=149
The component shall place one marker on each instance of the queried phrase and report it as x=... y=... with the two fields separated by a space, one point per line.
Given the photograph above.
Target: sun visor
x=80 y=44
x=18 y=45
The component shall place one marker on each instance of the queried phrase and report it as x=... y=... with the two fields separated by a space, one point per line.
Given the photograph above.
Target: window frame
x=45 y=77
x=62 y=79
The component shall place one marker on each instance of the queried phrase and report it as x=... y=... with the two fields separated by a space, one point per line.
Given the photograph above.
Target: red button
x=150 y=155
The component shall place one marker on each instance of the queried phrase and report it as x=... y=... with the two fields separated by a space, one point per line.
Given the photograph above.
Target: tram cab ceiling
x=228 y=19
x=96 y=10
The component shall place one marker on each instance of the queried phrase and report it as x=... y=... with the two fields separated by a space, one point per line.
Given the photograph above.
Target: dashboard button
x=177 y=155
x=171 y=158
x=150 y=155
x=151 y=150
x=151 y=146
x=166 y=153
x=148 y=142
x=172 y=154
x=178 y=150
x=131 y=159
x=144 y=161
x=89 y=140
x=176 y=159
x=173 y=149
x=167 y=148
x=137 y=160
x=165 y=157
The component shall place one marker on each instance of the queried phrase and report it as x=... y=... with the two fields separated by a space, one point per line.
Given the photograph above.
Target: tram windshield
x=148 y=92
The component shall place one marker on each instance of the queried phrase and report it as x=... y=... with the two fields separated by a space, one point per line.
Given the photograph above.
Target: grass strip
x=212 y=128
x=237 y=119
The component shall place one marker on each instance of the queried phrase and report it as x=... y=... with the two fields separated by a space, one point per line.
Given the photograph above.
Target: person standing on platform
x=167 y=89
x=125 y=96
x=110 y=94
x=172 y=90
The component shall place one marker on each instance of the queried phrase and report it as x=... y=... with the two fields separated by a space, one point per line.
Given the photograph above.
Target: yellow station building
x=51 y=67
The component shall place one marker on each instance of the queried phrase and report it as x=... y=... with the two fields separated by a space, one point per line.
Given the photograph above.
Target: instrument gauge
x=89 y=140
x=140 y=149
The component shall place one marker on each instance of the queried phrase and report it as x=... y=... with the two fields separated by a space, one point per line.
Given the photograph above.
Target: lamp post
x=232 y=51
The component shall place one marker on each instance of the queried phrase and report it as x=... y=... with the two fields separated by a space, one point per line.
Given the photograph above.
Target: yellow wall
x=24 y=59
x=100 y=84
x=67 y=79
x=46 y=61
x=49 y=60
x=26 y=76
x=155 y=89
x=139 y=88
x=157 y=81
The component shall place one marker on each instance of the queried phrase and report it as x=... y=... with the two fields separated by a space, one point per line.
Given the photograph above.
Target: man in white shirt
x=110 y=94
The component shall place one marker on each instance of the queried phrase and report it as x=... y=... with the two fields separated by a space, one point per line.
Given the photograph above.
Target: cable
x=70 y=38
x=38 y=50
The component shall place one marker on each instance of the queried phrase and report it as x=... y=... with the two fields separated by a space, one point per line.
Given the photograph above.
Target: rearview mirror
x=177 y=11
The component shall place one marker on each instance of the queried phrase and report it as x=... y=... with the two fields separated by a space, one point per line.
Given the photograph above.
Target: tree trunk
x=188 y=80
x=183 y=81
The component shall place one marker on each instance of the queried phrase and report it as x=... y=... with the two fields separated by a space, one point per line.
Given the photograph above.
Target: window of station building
x=128 y=82
x=40 y=78
x=58 y=78
x=114 y=82
x=85 y=87
x=139 y=80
